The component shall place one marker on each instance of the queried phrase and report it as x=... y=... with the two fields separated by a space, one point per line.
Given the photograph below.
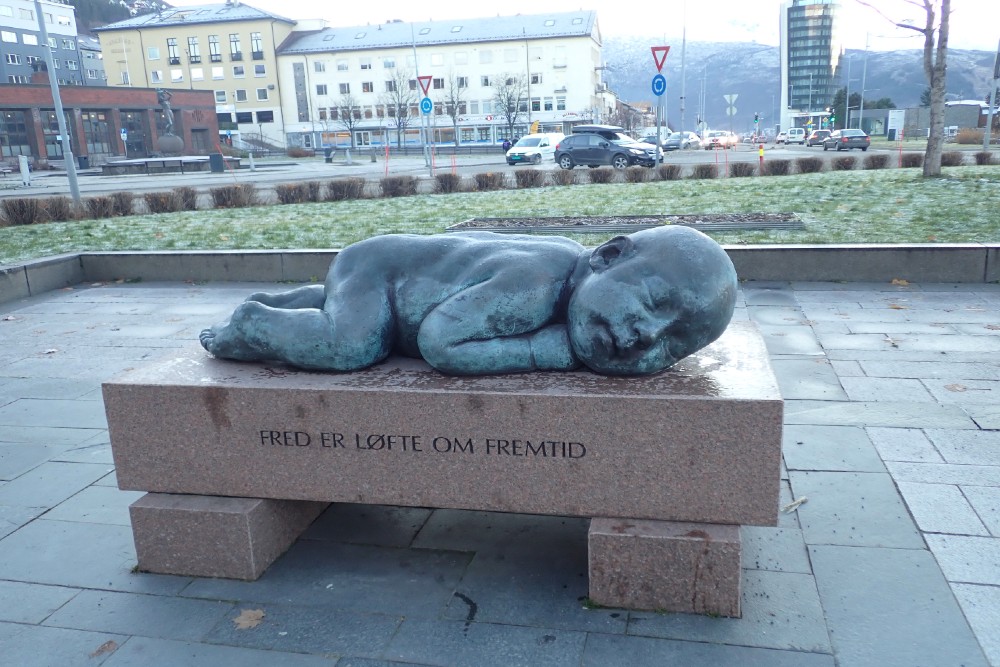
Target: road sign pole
x=660 y=90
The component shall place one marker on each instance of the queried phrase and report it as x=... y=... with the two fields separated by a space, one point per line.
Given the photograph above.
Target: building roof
x=173 y=16
x=397 y=34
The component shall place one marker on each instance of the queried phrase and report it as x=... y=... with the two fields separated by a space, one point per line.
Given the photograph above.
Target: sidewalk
x=892 y=435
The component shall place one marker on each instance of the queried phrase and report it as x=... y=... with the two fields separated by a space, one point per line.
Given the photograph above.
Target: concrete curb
x=934 y=263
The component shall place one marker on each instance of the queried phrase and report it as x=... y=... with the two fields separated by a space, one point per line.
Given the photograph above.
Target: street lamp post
x=864 y=75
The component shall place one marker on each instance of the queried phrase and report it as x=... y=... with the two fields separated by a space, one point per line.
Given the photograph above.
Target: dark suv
x=596 y=145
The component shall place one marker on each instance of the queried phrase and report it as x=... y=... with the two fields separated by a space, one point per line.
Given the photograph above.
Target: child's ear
x=607 y=254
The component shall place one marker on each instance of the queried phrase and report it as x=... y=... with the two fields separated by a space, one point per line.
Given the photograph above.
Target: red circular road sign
x=489 y=118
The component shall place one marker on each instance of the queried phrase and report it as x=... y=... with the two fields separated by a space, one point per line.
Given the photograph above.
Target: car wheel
x=536 y=159
x=840 y=149
x=619 y=161
x=566 y=162
x=510 y=163
x=591 y=166
x=864 y=149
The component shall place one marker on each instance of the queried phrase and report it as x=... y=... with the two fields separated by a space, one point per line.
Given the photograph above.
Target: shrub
x=312 y=191
x=601 y=175
x=398 y=186
x=234 y=196
x=121 y=203
x=564 y=177
x=345 y=188
x=100 y=207
x=188 y=197
x=447 y=182
x=58 y=209
x=911 y=160
x=637 y=174
x=301 y=152
x=984 y=158
x=777 y=167
x=876 y=161
x=952 y=159
x=529 y=178
x=289 y=193
x=668 y=172
x=22 y=211
x=969 y=135
x=701 y=171
x=742 y=169
x=809 y=165
x=163 y=202
x=843 y=163
x=489 y=180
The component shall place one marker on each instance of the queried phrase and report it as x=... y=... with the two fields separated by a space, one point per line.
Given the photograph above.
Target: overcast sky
x=975 y=24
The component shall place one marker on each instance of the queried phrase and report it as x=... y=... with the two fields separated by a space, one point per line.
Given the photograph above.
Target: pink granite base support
x=213 y=536
x=665 y=566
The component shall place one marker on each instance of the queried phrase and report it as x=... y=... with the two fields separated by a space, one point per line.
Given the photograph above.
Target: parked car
x=781 y=138
x=845 y=140
x=534 y=148
x=817 y=137
x=682 y=140
x=720 y=139
x=594 y=150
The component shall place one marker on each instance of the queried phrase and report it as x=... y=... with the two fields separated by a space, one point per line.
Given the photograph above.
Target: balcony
x=257 y=55
x=194 y=60
x=174 y=60
x=236 y=56
x=216 y=57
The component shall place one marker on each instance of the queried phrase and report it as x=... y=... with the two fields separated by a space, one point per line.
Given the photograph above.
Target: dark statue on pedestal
x=478 y=303
x=168 y=142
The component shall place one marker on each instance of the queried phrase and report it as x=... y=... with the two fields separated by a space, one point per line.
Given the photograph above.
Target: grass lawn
x=885 y=206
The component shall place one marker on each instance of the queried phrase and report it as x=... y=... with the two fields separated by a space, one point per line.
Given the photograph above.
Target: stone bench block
x=209 y=536
x=665 y=566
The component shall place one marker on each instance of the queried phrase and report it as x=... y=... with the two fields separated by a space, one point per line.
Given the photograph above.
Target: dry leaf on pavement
x=249 y=618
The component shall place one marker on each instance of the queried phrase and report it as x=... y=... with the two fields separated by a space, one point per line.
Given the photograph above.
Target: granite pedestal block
x=699 y=443
x=665 y=566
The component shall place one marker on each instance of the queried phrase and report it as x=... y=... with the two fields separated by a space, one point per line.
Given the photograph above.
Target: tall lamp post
x=864 y=75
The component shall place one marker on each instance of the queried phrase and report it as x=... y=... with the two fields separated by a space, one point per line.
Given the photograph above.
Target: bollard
x=22 y=163
x=347 y=154
x=373 y=156
x=760 y=152
x=253 y=167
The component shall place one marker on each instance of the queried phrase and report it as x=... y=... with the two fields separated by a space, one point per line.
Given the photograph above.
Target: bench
x=238 y=459
x=5 y=170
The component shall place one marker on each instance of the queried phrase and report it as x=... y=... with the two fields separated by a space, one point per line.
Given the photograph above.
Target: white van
x=533 y=148
x=796 y=135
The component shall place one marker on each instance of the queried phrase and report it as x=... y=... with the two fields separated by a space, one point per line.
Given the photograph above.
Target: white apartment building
x=551 y=60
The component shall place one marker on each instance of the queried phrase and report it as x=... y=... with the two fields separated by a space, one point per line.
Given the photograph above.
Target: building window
x=390 y=86
x=256 y=46
x=319 y=66
x=367 y=87
x=13 y=59
x=220 y=97
x=345 y=89
x=6 y=11
x=157 y=76
x=342 y=65
x=560 y=104
x=218 y=73
x=55 y=63
x=389 y=63
x=17 y=78
x=72 y=64
x=413 y=84
x=197 y=74
x=172 y=53
x=265 y=116
x=484 y=81
x=8 y=36
x=321 y=89
x=437 y=59
x=244 y=116
x=547 y=104
x=536 y=79
x=153 y=53
x=261 y=94
x=91 y=73
x=438 y=83
x=26 y=14
x=366 y=63
x=214 y=49
x=259 y=71
x=239 y=71
x=126 y=80
x=462 y=81
x=241 y=96
x=32 y=40
x=176 y=75
x=194 y=51
x=69 y=44
x=235 y=50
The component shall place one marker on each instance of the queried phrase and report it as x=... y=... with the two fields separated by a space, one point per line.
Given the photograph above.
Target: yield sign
x=659 y=56
x=425 y=83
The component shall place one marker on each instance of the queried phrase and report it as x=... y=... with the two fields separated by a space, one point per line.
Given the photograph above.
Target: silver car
x=845 y=140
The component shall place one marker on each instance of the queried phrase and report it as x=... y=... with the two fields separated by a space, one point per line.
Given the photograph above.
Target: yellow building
x=226 y=48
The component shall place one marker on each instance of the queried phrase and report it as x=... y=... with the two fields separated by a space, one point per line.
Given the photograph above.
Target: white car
x=781 y=138
x=533 y=148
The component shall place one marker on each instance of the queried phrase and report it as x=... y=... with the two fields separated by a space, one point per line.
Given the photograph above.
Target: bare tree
x=451 y=101
x=627 y=117
x=398 y=98
x=510 y=99
x=936 y=14
x=349 y=114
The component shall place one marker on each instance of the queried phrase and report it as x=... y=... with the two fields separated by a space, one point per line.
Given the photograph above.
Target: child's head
x=653 y=298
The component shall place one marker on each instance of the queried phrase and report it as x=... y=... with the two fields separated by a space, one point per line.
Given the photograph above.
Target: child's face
x=658 y=297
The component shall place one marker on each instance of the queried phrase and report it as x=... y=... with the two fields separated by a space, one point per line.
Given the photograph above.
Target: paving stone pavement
x=891 y=438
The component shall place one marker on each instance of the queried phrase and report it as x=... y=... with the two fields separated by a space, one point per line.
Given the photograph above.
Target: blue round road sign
x=659 y=85
x=426 y=106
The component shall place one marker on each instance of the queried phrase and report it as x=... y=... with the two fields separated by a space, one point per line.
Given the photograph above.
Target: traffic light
x=756 y=118
x=833 y=118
